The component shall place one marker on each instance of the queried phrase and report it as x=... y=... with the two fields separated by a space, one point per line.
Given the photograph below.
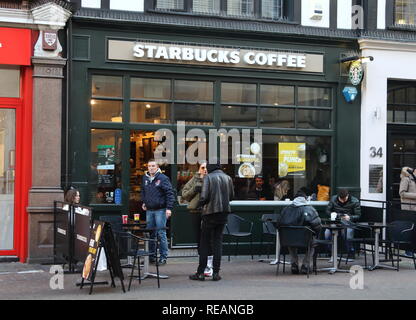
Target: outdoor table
x=140 y=228
x=376 y=227
x=335 y=228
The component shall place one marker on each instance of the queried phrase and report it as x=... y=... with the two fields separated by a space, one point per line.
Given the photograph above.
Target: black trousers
x=211 y=235
x=196 y=221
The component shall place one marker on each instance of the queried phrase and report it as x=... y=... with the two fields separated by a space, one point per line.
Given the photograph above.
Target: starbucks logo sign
x=356 y=73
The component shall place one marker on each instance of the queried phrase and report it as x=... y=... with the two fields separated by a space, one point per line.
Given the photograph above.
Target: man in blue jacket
x=158 y=200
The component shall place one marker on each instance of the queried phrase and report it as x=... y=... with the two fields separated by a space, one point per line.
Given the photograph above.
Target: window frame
x=291 y=11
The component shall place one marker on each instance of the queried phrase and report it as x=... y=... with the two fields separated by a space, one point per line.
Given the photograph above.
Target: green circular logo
x=356 y=73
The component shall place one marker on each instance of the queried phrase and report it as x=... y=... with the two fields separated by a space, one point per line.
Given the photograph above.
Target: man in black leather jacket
x=217 y=192
x=299 y=213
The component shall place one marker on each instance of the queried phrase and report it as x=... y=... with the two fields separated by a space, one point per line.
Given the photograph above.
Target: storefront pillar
x=46 y=171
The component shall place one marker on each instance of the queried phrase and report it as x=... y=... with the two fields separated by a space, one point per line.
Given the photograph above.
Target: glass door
x=7 y=177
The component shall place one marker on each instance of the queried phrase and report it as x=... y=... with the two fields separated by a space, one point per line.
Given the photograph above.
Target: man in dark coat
x=348 y=210
x=217 y=192
x=299 y=213
x=158 y=200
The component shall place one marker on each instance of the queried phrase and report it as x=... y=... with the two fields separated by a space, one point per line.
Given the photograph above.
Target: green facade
x=88 y=48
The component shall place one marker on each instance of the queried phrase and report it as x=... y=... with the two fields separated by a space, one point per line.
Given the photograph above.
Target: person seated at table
x=299 y=213
x=260 y=191
x=348 y=210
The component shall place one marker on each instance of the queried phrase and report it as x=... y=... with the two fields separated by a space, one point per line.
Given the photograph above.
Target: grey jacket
x=217 y=192
x=299 y=213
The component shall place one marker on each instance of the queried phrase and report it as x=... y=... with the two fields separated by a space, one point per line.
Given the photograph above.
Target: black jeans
x=211 y=234
x=196 y=221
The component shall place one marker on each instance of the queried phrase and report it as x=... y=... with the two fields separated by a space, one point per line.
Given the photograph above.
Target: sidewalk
x=243 y=279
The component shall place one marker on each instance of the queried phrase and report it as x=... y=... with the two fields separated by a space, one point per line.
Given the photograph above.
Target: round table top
x=333 y=226
x=373 y=224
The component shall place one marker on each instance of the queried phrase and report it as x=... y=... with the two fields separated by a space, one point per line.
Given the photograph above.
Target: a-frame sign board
x=102 y=237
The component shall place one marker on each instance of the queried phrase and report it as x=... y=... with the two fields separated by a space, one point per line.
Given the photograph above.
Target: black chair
x=138 y=250
x=268 y=231
x=321 y=245
x=401 y=235
x=296 y=237
x=363 y=235
x=235 y=229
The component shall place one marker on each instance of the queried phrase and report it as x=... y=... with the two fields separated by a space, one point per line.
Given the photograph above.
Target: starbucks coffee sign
x=142 y=51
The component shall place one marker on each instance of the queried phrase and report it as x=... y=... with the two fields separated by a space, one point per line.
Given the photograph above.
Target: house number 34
x=376 y=153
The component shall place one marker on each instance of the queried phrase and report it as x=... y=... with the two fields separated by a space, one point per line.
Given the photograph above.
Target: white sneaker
x=208 y=272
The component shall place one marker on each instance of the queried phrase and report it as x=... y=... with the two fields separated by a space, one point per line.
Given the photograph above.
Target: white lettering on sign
x=224 y=56
x=1 y=45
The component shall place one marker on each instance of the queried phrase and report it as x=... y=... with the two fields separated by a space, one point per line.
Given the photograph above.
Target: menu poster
x=91 y=260
x=292 y=159
x=106 y=157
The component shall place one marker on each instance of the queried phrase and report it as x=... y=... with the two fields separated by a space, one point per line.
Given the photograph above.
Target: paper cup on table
x=333 y=216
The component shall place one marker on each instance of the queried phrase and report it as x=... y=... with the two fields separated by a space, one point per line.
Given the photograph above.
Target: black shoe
x=303 y=269
x=197 y=276
x=216 y=276
x=295 y=268
x=162 y=262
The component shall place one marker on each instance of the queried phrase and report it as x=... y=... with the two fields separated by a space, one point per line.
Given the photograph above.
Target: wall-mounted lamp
x=357 y=58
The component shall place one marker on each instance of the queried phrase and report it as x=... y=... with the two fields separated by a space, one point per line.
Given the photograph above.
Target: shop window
x=314 y=97
x=9 y=82
x=405 y=12
x=187 y=170
x=272 y=9
x=238 y=116
x=313 y=119
x=277 y=117
x=194 y=90
x=130 y=5
x=7 y=177
x=105 y=170
x=170 y=4
x=194 y=114
x=288 y=164
x=150 y=112
x=106 y=110
x=401 y=104
x=91 y=3
x=277 y=95
x=106 y=86
x=240 y=7
x=144 y=88
x=238 y=93
x=206 y=6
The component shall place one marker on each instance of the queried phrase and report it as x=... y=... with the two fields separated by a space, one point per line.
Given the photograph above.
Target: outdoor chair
x=238 y=227
x=363 y=236
x=139 y=249
x=268 y=231
x=321 y=246
x=401 y=235
x=297 y=237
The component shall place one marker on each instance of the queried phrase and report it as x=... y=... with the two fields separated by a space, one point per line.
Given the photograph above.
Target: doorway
x=7 y=181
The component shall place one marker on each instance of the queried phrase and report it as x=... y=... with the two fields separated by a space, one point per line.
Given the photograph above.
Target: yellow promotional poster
x=292 y=158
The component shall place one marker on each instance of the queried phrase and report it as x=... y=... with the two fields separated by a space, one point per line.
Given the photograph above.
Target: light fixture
x=357 y=58
x=117 y=119
x=93 y=102
x=148 y=106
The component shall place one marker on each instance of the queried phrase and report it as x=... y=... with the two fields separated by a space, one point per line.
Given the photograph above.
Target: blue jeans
x=157 y=219
x=350 y=235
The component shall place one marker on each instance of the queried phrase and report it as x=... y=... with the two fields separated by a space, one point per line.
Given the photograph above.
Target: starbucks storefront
x=126 y=88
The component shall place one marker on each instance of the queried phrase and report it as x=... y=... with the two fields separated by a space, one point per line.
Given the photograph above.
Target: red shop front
x=16 y=89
